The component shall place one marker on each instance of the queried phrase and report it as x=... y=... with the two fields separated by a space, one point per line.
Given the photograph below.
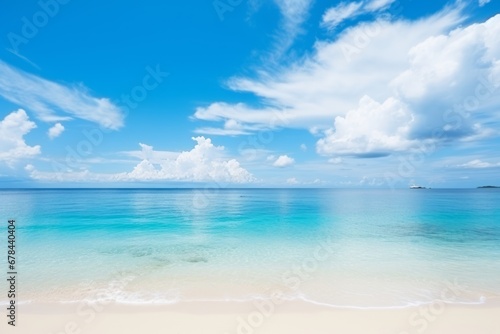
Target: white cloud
x=344 y=10
x=375 y=5
x=12 y=145
x=294 y=12
x=71 y=176
x=292 y=181
x=220 y=132
x=461 y=69
x=328 y=83
x=55 y=131
x=478 y=164
x=349 y=10
x=55 y=102
x=283 y=161
x=373 y=129
x=247 y=118
x=483 y=2
x=231 y=126
x=148 y=153
x=445 y=71
x=400 y=91
x=204 y=163
x=303 y=147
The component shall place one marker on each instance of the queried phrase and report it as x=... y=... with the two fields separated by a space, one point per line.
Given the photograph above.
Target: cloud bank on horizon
x=379 y=95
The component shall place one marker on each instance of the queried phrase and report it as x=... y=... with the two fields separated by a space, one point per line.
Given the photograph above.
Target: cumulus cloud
x=55 y=131
x=292 y=181
x=283 y=161
x=451 y=83
x=373 y=129
x=54 y=102
x=448 y=89
x=204 y=163
x=12 y=145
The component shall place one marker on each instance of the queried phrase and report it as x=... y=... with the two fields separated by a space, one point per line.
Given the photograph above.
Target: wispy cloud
x=54 y=102
x=479 y=164
x=294 y=13
x=220 y=131
x=375 y=5
x=231 y=128
x=345 y=10
x=148 y=153
x=349 y=10
x=239 y=119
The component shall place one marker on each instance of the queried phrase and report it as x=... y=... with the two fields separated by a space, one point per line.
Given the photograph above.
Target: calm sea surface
x=349 y=248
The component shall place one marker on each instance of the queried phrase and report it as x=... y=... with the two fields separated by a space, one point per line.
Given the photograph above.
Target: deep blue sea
x=345 y=248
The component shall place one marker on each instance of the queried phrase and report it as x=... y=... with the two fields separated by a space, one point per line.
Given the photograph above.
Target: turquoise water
x=350 y=248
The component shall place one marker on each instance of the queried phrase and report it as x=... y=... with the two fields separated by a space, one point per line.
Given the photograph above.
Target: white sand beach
x=247 y=318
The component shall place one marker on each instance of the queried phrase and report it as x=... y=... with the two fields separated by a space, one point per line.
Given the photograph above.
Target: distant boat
x=417 y=187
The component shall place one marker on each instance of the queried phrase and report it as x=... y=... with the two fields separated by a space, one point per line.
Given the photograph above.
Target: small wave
x=175 y=298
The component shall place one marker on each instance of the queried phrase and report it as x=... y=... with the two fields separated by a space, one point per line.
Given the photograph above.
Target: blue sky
x=368 y=93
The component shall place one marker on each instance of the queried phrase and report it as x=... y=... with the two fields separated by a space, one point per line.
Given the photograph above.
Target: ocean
x=353 y=248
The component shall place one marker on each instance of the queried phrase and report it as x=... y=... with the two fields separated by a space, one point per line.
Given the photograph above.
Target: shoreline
x=487 y=302
x=233 y=306
x=247 y=317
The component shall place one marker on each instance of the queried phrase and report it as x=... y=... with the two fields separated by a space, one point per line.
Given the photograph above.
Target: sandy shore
x=246 y=318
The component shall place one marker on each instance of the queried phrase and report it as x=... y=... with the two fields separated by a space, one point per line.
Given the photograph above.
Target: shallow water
x=348 y=248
